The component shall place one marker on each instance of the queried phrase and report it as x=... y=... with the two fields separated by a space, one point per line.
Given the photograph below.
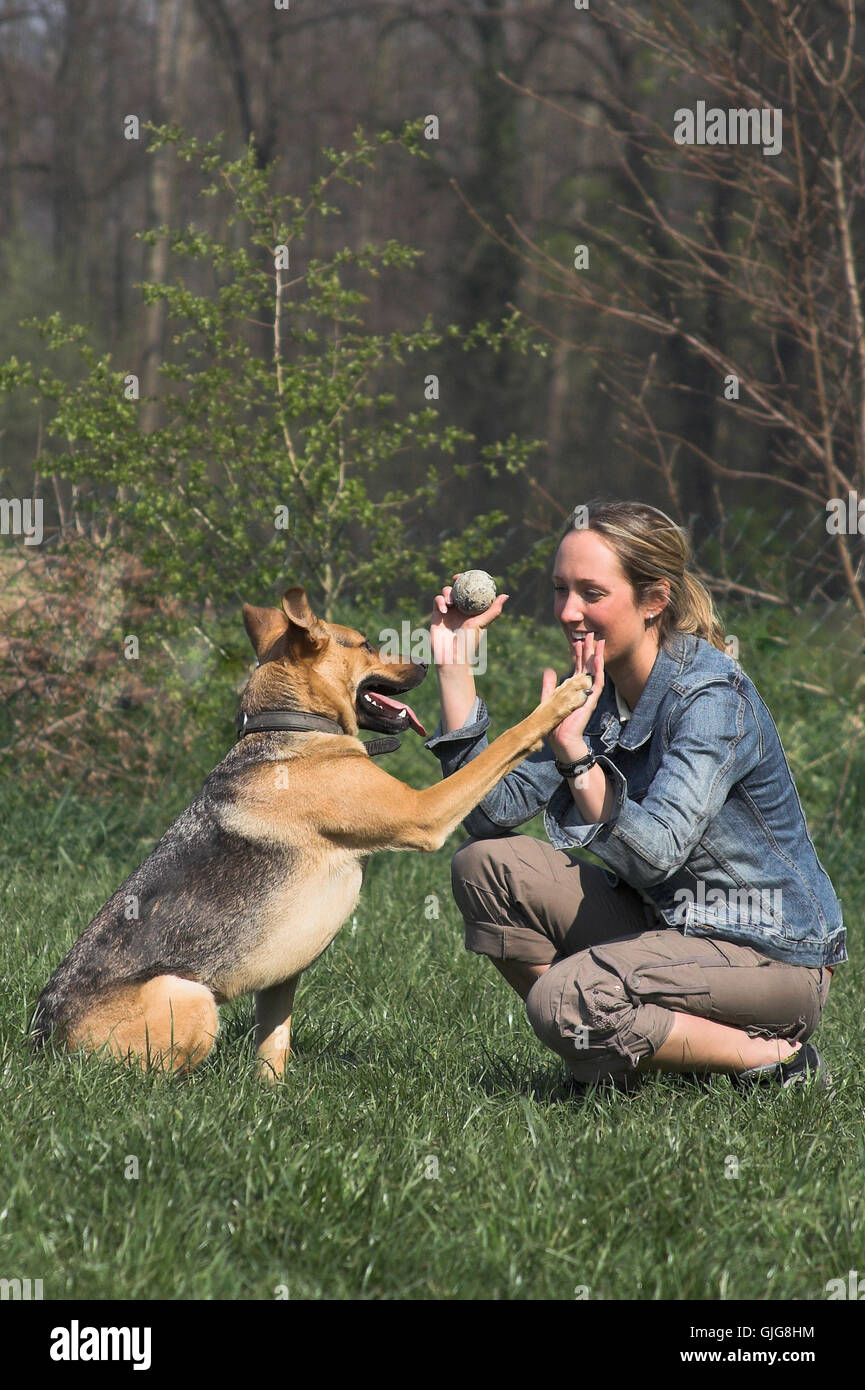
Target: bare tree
x=740 y=256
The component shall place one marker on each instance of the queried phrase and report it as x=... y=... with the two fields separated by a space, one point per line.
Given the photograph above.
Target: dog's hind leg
x=168 y=1023
x=273 y=1008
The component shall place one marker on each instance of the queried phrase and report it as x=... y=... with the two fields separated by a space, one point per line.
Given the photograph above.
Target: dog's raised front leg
x=360 y=805
x=273 y=1008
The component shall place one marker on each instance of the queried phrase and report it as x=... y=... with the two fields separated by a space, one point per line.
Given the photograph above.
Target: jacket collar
x=633 y=732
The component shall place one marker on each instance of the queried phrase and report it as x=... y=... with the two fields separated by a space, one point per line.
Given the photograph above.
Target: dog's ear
x=303 y=626
x=265 y=627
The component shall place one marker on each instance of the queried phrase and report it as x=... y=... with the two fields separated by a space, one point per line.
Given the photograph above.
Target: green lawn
x=423 y=1144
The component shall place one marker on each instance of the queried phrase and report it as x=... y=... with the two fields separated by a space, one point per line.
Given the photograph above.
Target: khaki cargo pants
x=616 y=978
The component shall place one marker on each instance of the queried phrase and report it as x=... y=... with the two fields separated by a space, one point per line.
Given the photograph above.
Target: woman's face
x=592 y=594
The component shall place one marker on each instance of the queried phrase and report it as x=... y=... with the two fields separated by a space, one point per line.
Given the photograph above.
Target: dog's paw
x=271 y=1071
x=568 y=696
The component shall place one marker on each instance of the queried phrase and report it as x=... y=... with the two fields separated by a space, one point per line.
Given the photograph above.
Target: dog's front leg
x=273 y=1008
x=362 y=806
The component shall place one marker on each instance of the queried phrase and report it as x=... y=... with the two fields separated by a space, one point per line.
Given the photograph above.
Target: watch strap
x=575 y=768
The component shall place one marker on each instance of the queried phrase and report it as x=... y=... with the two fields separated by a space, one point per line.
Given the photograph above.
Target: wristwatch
x=574 y=769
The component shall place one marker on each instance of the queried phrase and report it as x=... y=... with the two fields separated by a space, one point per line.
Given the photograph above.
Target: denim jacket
x=707 y=823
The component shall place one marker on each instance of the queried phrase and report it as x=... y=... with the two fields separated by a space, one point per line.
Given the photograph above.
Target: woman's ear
x=658 y=600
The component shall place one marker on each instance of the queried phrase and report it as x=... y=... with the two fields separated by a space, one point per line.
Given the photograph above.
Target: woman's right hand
x=450 y=629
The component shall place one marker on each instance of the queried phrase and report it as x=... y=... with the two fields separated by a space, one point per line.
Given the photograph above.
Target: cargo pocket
x=680 y=986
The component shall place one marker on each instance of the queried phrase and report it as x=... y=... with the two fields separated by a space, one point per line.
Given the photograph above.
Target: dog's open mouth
x=387 y=711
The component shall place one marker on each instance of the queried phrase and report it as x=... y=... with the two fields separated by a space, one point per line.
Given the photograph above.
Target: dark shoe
x=806 y=1065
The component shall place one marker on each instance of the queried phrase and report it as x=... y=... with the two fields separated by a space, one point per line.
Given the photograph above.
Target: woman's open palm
x=566 y=738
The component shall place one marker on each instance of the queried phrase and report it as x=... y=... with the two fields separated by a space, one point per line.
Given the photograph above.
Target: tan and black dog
x=255 y=878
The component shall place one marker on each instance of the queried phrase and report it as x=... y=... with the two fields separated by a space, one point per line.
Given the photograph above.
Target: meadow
x=424 y=1144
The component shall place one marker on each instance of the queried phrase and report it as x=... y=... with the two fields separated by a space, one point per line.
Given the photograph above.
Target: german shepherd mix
x=255 y=878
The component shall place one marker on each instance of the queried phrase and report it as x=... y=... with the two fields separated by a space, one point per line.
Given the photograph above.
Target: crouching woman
x=707 y=939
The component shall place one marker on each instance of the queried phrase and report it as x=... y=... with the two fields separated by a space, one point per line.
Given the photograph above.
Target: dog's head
x=305 y=663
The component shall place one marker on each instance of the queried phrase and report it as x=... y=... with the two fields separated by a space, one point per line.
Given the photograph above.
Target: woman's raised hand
x=453 y=633
x=566 y=740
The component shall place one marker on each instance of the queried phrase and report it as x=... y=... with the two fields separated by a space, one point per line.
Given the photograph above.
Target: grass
x=423 y=1145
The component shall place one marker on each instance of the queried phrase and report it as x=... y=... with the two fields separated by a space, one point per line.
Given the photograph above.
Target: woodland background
x=554 y=130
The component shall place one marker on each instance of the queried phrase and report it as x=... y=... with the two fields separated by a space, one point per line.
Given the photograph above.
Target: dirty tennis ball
x=473 y=592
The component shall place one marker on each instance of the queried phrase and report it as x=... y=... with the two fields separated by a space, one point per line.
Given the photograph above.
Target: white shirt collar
x=624 y=712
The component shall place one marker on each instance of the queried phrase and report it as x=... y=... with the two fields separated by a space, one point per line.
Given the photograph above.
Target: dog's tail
x=52 y=1014
x=43 y=1021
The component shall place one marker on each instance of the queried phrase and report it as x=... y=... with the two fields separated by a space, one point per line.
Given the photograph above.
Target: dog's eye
x=368 y=647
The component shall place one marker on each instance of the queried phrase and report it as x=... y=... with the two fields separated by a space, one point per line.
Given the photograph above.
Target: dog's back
x=191 y=909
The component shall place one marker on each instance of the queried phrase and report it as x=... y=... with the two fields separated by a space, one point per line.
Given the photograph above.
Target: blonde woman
x=708 y=940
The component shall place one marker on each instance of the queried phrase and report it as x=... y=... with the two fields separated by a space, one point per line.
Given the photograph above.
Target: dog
x=253 y=880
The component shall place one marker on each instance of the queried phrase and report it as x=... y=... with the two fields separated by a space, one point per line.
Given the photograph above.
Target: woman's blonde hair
x=651 y=547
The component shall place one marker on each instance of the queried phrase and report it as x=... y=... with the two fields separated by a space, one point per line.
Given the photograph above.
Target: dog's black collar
x=277 y=720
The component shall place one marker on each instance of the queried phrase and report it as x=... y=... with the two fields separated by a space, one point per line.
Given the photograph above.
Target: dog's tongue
x=398 y=705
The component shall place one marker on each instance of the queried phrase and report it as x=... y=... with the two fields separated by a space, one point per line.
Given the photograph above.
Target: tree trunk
x=173 y=51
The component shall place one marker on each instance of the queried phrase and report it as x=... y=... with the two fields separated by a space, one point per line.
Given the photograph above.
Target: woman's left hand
x=566 y=740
